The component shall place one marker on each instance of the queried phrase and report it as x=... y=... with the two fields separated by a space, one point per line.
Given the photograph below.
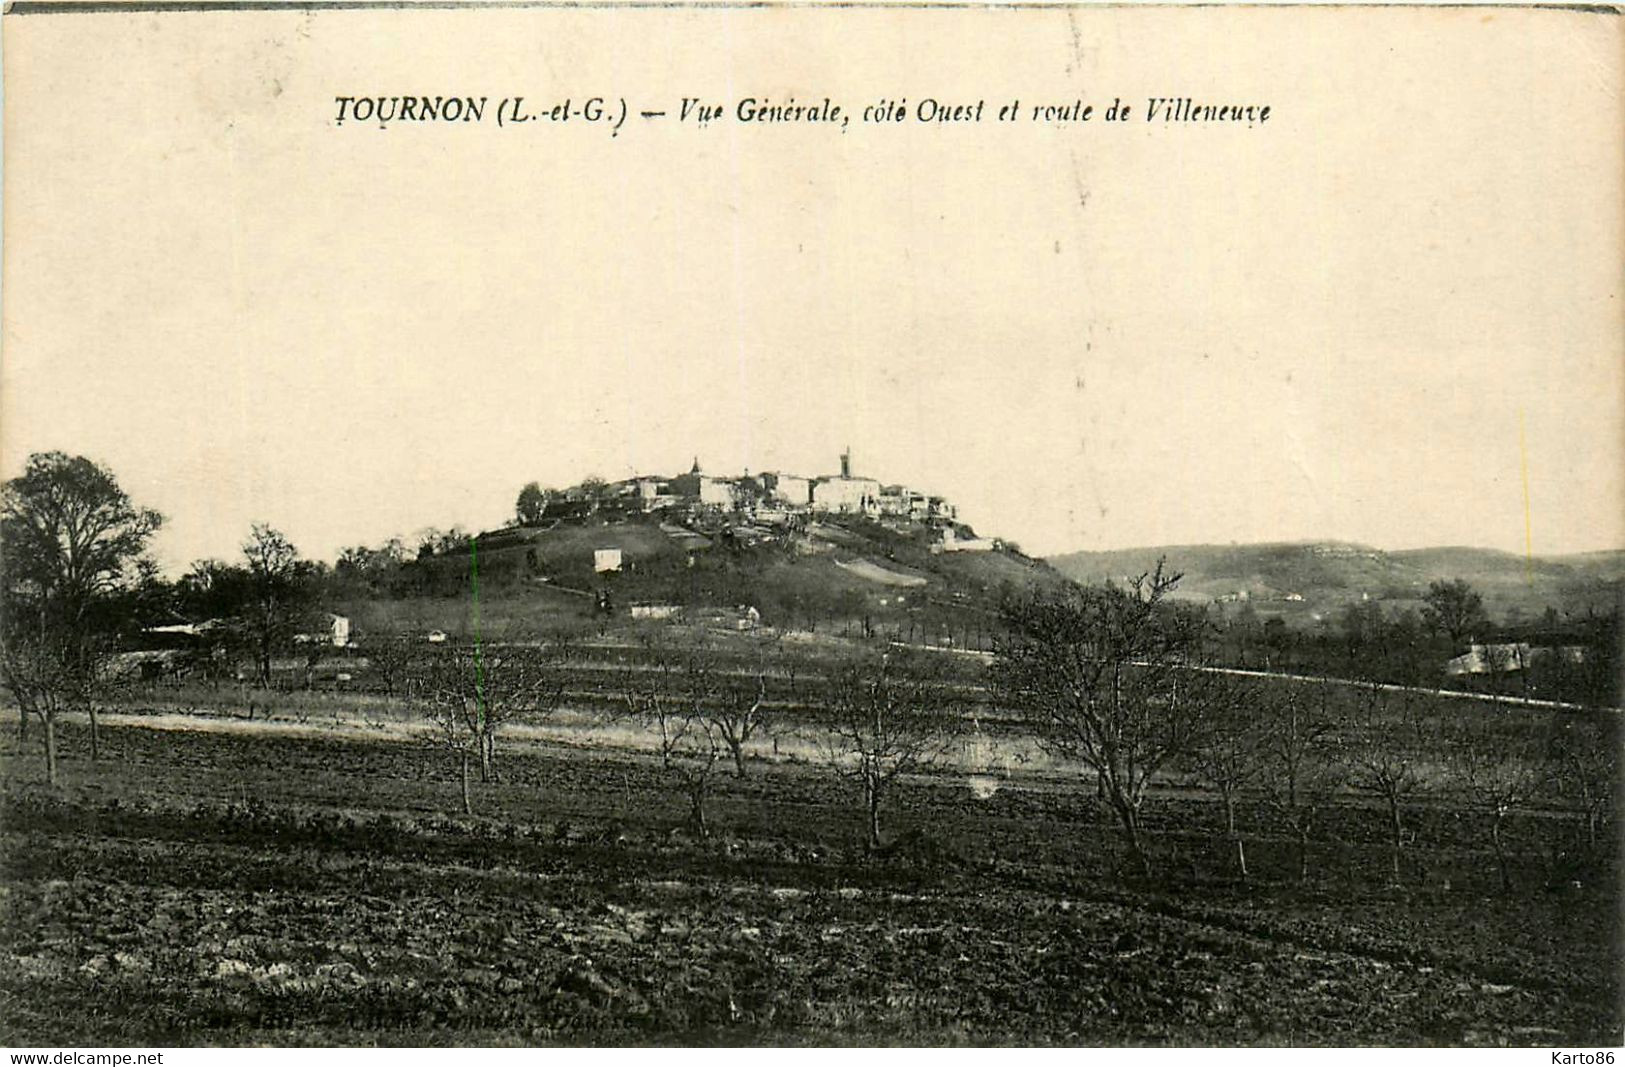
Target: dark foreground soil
x=330 y=898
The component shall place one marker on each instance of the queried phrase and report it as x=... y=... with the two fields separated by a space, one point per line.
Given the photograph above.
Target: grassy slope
x=787 y=584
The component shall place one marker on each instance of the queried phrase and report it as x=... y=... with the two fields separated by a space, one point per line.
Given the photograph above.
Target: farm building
x=337 y=632
x=1509 y=656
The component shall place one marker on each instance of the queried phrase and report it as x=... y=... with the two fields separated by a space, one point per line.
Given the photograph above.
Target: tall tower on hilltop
x=846 y=462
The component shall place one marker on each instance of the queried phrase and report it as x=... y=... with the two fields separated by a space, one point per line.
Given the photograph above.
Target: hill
x=838 y=573
x=1304 y=579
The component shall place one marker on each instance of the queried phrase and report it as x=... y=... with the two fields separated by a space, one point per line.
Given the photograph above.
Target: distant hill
x=1329 y=574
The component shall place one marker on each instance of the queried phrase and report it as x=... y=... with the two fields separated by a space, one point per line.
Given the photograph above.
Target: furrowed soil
x=196 y=887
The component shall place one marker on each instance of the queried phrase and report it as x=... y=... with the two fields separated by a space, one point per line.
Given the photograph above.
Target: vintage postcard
x=811 y=523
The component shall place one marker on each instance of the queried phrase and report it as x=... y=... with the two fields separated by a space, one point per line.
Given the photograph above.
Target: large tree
x=69 y=539
x=1106 y=673
x=1456 y=608
x=531 y=504
x=278 y=594
x=71 y=534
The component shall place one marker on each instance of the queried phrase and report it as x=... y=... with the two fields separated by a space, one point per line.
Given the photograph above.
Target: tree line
x=1573 y=656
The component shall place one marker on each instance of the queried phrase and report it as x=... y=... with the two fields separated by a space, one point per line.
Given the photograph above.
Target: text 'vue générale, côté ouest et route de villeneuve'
x=613 y=111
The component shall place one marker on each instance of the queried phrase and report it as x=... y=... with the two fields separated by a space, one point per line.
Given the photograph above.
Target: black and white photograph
x=738 y=525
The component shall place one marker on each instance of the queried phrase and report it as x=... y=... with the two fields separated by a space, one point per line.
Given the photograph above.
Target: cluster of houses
x=770 y=498
x=1243 y=596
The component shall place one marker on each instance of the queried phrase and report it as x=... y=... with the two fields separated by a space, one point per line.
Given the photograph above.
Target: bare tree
x=742 y=710
x=1106 y=673
x=45 y=674
x=1497 y=771
x=885 y=722
x=677 y=695
x=314 y=650
x=1498 y=661
x=1299 y=764
x=472 y=692
x=391 y=660
x=1387 y=740
x=1228 y=761
x=1584 y=751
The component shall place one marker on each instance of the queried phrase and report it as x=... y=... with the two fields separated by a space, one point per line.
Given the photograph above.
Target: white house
x=337 y=633
x=846 y=494
x=900 y=501
x=717 y=491
x=788 y=489
x=952 y=542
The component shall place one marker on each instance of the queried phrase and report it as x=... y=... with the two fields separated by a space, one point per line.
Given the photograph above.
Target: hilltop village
x=752 y=507
x=796 y=551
